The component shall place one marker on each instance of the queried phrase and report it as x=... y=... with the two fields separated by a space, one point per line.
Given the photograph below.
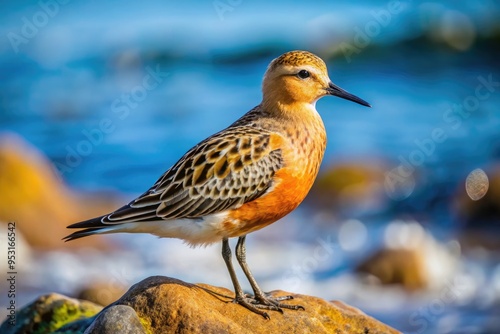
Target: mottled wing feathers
x=226 y=170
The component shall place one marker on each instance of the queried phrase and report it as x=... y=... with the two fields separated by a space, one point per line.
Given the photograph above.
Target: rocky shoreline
x=161 y=304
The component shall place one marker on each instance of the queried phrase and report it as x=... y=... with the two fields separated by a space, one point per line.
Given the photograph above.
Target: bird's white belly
x=197 y=231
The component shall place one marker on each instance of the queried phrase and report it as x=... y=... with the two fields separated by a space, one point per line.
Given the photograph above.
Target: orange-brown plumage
x=242 y=178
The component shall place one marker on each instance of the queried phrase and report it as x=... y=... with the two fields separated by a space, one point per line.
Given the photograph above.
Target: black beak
x=337 y=91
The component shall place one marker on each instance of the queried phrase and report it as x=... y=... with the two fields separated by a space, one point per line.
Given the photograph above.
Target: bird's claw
x=265 y=302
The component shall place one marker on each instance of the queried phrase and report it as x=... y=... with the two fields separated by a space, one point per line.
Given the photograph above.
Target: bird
x=241 y=179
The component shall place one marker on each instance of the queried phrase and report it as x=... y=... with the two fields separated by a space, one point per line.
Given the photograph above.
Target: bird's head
x=300 y=77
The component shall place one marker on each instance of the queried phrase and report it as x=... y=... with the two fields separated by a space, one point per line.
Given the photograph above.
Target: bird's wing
x=223 y=172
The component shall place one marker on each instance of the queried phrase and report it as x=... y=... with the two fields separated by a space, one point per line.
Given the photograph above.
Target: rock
x=49 y=313
x=167 y=305
x=102 y=293
x=397 y=266
x=412 y=258
x=117 y=319
x=36 y=199
x=349 y=188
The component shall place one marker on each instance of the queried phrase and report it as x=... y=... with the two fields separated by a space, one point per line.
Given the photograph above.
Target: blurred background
x=98 y=99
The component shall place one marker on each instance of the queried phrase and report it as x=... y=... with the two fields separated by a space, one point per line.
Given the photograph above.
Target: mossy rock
x=49 y=313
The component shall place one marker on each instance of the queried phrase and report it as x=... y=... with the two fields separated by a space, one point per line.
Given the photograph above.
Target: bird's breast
x=302 y=150
x=306 y=147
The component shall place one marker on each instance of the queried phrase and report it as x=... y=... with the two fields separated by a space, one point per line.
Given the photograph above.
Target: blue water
x=67 y=88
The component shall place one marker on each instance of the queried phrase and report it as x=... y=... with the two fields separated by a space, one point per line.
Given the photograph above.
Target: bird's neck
x=305 y=132
x=300 y=112
x=302 y=117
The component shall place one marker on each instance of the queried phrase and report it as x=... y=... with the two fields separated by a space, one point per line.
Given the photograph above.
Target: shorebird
x=243 y=178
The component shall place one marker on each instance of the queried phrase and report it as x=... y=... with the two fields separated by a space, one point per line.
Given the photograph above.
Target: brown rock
x=397 y=266
x=36 y=199
x=167 y=305
x=102 y=293
x=349 y=187
x=412 y=258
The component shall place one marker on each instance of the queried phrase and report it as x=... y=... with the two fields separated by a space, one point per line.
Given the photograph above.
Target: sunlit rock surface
x=167 y=305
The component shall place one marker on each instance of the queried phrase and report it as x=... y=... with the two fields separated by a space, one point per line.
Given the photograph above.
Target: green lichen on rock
x=49 y=313
x=146 y=324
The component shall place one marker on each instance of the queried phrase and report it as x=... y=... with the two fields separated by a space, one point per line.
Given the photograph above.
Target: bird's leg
x=261 y=299
x=240 y=297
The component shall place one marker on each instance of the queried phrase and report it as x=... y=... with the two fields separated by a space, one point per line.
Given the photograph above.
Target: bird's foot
x=259 y=303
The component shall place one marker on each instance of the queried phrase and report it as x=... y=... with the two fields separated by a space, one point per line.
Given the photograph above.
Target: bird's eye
x=303 y=74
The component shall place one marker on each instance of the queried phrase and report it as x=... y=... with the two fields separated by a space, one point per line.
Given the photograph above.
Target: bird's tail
x=90 y=227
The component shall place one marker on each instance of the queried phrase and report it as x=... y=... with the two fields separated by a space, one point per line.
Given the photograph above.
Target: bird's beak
x=337 y=91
